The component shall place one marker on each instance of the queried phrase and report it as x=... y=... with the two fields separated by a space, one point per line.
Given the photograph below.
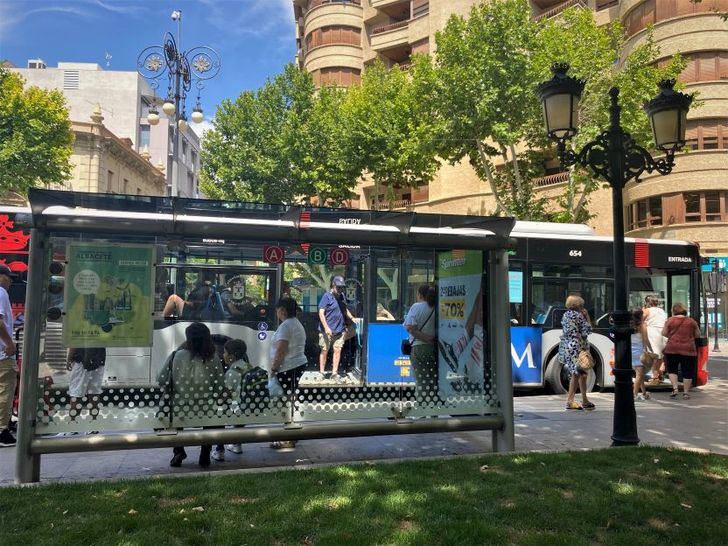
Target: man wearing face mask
x=336 y=325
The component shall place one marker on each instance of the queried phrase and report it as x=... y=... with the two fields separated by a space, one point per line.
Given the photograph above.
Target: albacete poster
x=108 y=295
x=460 y=322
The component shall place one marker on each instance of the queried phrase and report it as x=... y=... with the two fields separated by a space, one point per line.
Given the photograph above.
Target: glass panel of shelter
x=233 y=292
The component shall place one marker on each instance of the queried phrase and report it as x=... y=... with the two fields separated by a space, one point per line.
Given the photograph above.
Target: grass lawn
x=615 y=496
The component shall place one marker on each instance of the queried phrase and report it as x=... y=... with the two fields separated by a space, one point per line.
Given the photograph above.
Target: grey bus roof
x=74 y=212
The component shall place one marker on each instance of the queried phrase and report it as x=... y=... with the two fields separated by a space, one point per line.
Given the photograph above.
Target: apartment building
x=336 y=39
x=124 y=98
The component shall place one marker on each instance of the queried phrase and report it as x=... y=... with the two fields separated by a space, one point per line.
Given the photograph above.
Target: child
x=639 y=356
x=235 y=355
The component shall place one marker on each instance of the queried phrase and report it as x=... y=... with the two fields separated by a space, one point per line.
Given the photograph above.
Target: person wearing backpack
x=421 y=325
x=680 y=351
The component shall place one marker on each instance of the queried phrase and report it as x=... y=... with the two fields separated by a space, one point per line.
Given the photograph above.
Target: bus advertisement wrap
x=108 y=299
x=526 y=355
x=460 y=322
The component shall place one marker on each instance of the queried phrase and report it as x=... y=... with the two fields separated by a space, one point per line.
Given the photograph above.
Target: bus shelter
x=120 y=278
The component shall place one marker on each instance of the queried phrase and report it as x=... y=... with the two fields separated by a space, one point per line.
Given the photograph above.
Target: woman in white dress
x=653 y=322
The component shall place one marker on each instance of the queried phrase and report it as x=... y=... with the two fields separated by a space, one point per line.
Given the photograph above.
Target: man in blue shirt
x=336 y=325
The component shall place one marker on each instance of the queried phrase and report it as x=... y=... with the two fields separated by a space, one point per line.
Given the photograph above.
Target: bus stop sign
x=339 y=256
x=273 y=254
x=317 y=255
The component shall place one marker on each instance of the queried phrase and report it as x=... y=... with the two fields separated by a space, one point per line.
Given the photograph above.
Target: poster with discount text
x=460 y=322
x=109 y=295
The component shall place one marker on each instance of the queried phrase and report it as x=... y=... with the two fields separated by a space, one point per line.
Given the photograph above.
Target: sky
x=255 y=38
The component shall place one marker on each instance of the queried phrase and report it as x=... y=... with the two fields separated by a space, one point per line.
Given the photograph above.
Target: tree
x=389 y=120
x=592 y=52
x=36 y=140
x=246 y=155
x=488 y=68
x=280 y=144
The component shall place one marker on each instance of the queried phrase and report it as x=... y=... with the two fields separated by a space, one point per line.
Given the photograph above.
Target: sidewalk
x=542 y=424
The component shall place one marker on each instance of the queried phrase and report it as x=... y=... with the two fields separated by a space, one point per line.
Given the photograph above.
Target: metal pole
x=715 y=285
x=500 y=343
x=27 y=464
x=624 y=431
x=175 y=134
x=103 y=442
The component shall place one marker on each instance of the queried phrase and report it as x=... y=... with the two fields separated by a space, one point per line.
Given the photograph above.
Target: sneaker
x=66 y=434
x=641 y=397
x=177 y=459
x=7 y=439
x=235 y=448
x=218 y=454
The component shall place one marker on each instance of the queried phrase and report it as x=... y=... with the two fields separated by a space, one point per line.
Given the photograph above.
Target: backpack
x=213 y=308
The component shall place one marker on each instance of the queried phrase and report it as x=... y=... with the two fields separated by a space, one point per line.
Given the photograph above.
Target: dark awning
x=86 y=213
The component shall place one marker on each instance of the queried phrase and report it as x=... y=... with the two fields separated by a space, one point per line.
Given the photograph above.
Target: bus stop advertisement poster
x=460 y=322
x=109 y=295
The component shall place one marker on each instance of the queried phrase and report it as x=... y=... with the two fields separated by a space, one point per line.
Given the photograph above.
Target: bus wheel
x=557 y=377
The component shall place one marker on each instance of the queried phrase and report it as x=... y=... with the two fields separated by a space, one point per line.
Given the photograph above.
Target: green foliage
x=389 y=120
x=36 y=141
x=488 y=68
x=611 y=496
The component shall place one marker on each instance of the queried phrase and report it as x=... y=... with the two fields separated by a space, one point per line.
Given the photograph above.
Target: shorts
x=334 y=340
x=84 y=382
x=686 y=363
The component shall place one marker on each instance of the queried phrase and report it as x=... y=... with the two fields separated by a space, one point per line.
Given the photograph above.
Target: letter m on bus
x=526 y=355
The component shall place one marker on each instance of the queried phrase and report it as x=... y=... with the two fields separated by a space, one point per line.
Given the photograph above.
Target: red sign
x=273 y=254
x=339 y=256
x=641 y=253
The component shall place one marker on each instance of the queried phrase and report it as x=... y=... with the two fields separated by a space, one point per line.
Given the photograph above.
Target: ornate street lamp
x=183 y=70
x=615 y=157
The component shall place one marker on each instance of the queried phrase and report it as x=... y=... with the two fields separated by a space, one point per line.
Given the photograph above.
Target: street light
x=716 y=285
x=183 y=69
x=616 y=157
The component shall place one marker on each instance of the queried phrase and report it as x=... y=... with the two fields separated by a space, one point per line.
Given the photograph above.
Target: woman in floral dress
x=576 y=328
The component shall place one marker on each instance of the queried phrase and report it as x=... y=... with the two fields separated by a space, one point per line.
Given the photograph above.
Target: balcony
x=379 y=4
x=551 y=179
x=553 y=12
x=392 y=35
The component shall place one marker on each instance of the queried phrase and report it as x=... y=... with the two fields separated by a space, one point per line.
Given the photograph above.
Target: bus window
x=388 y=300
x=420 y=269
x=515 y=294
x=647 y=282
x=679 y=291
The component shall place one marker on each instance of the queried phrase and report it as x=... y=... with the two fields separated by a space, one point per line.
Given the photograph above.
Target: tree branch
x=489 y=176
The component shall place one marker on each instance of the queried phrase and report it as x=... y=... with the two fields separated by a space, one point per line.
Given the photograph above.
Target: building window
x=340 y=76
x=420 y=7
x=184 y=150
x=692 y=206
x=144 y=132
x=713 y=206
x=645 y=213
x=193 y=159
x=110 y=181
x=707 y=134
x=191 y=183
x=126 y=186
x=333 y=35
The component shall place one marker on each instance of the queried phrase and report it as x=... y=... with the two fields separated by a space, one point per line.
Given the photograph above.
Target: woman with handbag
x=421 y=325
x=680 y=352
x=574 y=351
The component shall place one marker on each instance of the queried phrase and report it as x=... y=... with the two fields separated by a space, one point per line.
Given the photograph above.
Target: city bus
x=553 y=261
x=549 y=263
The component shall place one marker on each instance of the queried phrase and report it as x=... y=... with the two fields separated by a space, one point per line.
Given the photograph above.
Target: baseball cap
x=5 y=270
x=338 y=280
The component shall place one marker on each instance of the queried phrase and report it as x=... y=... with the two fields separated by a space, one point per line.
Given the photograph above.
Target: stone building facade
x=337 y=38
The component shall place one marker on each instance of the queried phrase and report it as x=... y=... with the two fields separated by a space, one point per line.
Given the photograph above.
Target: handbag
x=407 y=344
x=585 y=360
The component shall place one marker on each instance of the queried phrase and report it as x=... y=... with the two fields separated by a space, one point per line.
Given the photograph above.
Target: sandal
x=588 y=405
x=686 y=396
x=673 y=394
x=574 y=406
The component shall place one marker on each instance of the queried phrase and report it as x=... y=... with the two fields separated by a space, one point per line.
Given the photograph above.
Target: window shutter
x=673 y=210
x=707 y=68
x=690 y=73
x=685 y=7
x=665 y=9
x=71 y=79
x=723 y=65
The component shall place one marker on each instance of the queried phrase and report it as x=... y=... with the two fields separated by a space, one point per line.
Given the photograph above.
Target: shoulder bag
x=407 y=344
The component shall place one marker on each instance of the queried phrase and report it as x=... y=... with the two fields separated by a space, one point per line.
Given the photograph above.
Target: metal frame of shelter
x=55 y=214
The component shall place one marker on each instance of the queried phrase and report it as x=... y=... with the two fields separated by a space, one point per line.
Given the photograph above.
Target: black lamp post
x=183 y=69
x=615 y=157
x=716 y=285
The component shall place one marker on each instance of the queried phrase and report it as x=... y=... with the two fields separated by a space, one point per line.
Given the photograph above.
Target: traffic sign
x=274 y=254
x=339 y=256
x=317 y=255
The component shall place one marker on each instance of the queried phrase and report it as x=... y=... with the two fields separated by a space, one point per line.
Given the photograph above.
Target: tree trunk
x=489 y=177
